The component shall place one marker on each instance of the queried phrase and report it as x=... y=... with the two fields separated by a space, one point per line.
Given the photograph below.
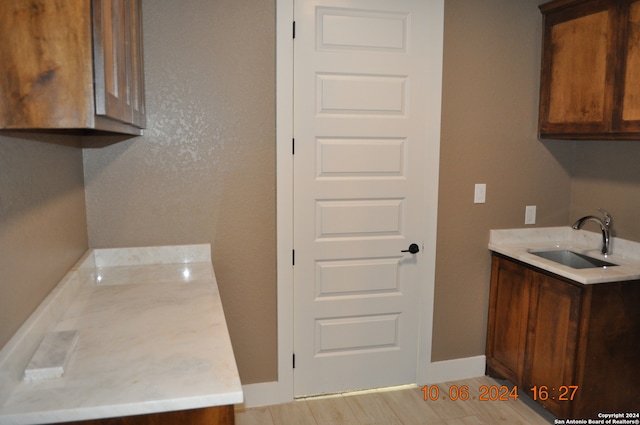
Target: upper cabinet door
x=577 y=80
x=72 y=66
x=629 y=114
x=46 y=72
x=109 y=50
x=590 y=81
x=135 y=64
x=119 y=77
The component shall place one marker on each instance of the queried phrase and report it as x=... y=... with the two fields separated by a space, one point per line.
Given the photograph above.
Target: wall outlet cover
x=530 y=214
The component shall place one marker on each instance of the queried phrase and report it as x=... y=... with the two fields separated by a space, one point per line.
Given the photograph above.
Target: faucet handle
x=607 y=217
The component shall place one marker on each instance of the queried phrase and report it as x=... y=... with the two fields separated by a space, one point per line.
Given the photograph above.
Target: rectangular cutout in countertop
x=50 y=359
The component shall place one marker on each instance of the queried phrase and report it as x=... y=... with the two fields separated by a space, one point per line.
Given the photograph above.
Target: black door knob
x=413 y=248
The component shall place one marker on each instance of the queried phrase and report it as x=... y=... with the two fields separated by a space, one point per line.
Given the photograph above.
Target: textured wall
x=607 y=176
x=205 y=169
x=42 y=222
x=489 y=118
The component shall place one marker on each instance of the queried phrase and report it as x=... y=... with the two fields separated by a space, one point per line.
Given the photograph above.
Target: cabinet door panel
x=109 y=57
x=508 y=312
x=71 y=65
x=631 y=87
x=577 y=70
x=552 y=338
x=118 y=60
x=46 y=78
x=135 y=70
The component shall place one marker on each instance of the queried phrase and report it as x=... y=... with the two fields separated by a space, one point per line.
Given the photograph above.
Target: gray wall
x=43 y=227
x=489 y=135
x=204 y=172
x=607 y=175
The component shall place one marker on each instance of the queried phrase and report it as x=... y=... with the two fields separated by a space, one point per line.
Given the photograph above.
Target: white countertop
x=519 y=243
x=152 y=337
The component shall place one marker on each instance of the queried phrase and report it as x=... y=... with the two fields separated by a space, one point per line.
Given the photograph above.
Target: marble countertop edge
x=17 y=352
x=520 y=243
x=188 y=264
x=111 y=411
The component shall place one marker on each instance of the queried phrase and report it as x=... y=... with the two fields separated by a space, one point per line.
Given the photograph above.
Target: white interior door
x=360 y=105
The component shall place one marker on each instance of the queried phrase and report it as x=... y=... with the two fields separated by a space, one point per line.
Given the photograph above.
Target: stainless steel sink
x=573 y=259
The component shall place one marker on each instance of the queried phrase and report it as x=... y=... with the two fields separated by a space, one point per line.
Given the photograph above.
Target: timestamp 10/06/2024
x=499 y=393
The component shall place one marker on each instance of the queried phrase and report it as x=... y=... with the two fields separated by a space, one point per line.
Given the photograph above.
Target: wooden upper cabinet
x=72 y=65
x=590 y=83
x=630 y=87
x=119 y=79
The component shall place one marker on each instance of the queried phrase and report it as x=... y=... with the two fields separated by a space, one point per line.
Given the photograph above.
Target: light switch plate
x=480 y=193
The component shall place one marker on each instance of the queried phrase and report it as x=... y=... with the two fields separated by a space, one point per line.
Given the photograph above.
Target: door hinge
x=294 y=29
x=294 y=360
x=293 y=257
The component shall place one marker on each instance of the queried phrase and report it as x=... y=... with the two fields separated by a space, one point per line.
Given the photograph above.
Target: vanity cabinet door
x=552 y=340
x=532 y=337
x=508 y=315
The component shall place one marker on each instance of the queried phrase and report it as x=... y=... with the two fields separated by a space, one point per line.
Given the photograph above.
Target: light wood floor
x=404 y=406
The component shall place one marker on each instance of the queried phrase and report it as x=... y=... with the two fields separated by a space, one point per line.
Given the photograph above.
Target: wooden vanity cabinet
x=590 y=77
x=548 y=331
x=508 y=316
x=71 y=66
x=552 y=339
x=221 y=415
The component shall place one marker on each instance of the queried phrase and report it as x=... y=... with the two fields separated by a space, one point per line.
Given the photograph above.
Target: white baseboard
x=270 y=393
x=454 y=370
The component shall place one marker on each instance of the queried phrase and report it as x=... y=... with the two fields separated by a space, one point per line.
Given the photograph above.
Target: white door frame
x=282 y=391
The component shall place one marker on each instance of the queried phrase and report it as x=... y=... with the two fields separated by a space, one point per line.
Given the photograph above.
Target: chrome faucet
x=605 y=226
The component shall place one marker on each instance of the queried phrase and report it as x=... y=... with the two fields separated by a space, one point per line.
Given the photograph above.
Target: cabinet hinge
x=294 y=360
x=293 y=257
x=294 y=29
x=293 y=146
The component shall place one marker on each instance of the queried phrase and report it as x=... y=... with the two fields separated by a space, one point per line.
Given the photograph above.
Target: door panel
x=360 y=94
x=346 y=334
x=343 y=278
x=341 y=28
x=359 y=192
x=361 y=158
x=359 y=217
